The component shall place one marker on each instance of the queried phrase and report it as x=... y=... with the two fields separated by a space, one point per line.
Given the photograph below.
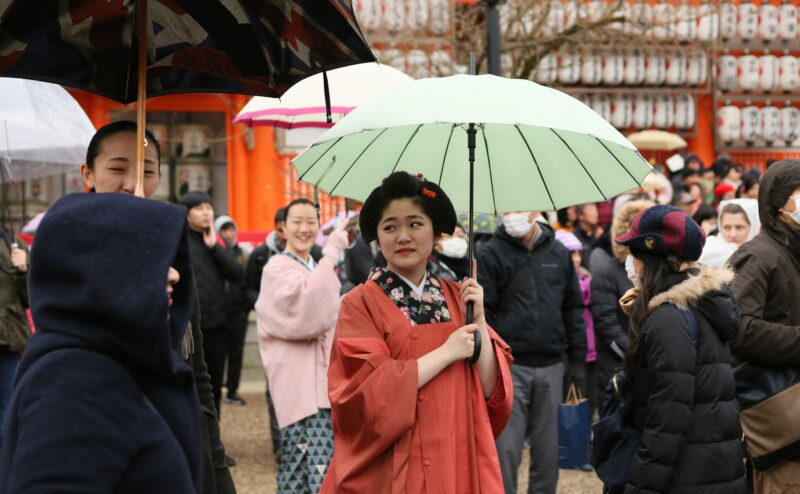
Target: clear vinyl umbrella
x=43 y=130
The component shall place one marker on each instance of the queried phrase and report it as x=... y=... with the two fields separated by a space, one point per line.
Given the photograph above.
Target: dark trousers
x=215 y=346
x=537 y=394
x=237 y=330
x=274 y=430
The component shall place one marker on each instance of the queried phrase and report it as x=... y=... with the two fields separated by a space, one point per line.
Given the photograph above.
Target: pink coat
x=297 y=311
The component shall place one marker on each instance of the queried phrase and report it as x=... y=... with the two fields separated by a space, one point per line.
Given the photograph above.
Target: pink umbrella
x=304 y=104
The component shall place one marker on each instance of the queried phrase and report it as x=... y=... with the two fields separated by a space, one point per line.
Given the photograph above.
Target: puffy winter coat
x=685 y=406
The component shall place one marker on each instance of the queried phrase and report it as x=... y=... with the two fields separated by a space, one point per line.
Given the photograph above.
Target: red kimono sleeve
x=501 y=401
x=373 y=399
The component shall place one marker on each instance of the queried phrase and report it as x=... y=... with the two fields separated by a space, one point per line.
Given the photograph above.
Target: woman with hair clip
x=682 y=317
x=297 y=307
x=409 y=414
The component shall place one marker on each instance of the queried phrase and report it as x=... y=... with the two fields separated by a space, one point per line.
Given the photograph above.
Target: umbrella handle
x=476 y=353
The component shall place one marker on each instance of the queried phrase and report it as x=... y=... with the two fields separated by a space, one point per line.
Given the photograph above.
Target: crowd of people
x=141 y=306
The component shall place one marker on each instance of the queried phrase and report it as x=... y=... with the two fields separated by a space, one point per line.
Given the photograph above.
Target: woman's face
x=753 y=192
x=405 y=236
x=734 y=228
x=301 y=228
x=115 y=166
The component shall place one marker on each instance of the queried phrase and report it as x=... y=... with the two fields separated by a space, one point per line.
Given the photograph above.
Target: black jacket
x=358 y=262
x=543 y=322
x=609 y=284
x=103 y=399
x=684 y=394
x=212 y=268
x=237 y=301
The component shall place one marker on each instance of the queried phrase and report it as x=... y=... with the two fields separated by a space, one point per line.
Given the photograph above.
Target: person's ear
x=88 y=176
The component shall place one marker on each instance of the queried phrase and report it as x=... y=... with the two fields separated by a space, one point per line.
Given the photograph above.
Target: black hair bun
x=401 y=185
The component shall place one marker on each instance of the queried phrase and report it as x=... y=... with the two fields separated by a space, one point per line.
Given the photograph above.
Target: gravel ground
x=245 y=431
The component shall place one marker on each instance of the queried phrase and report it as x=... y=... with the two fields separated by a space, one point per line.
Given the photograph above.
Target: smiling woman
x=111 y=160
x=296 y=309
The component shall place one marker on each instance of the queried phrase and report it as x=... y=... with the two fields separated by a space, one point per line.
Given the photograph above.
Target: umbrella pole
x=471 y=134
x=141 y=103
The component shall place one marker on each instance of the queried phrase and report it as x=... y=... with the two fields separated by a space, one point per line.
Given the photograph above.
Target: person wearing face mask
x=678 y=362
x=450 y=255
x=533 y=300
x=766 y=289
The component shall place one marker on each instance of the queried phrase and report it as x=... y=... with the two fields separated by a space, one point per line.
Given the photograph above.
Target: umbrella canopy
x=304 y=104
x=43 y=130
x=223 y=46
x=657 y=140
x=537 y=149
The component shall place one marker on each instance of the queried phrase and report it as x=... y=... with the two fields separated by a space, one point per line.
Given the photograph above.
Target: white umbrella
x=304 y=105
x=43 y=130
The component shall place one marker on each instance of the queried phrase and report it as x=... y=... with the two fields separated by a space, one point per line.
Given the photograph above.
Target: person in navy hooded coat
x=103 y=399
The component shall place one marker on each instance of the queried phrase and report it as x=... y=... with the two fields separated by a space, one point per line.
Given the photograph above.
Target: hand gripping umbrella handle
x=476 y=353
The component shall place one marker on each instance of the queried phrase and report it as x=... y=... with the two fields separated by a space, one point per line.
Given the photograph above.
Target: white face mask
x=517 y=224
x=796 y=214
x=630 y=268
x=454 y=247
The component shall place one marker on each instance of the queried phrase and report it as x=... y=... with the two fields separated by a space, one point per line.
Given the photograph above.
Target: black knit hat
x=400 y=185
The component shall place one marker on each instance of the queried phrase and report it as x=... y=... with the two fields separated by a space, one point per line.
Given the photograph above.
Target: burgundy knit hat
x=663 y=230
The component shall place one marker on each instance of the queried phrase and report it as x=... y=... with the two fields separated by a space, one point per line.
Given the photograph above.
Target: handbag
x=769 y=401
x=616 y=440
x=574 y=429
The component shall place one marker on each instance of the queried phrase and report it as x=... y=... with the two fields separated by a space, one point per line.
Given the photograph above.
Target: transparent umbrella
x=43 y=130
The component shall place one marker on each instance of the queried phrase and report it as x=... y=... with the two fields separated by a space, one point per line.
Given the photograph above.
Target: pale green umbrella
x=529 y=147
x=537 y=149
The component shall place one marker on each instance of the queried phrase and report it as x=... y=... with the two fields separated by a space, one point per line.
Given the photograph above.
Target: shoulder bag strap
x=525 y=273
x=692 y=320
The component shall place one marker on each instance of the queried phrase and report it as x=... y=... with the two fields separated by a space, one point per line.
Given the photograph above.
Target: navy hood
x=98 y=281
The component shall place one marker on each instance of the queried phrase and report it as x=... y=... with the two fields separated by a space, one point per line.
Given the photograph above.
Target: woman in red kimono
x=409 y=414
